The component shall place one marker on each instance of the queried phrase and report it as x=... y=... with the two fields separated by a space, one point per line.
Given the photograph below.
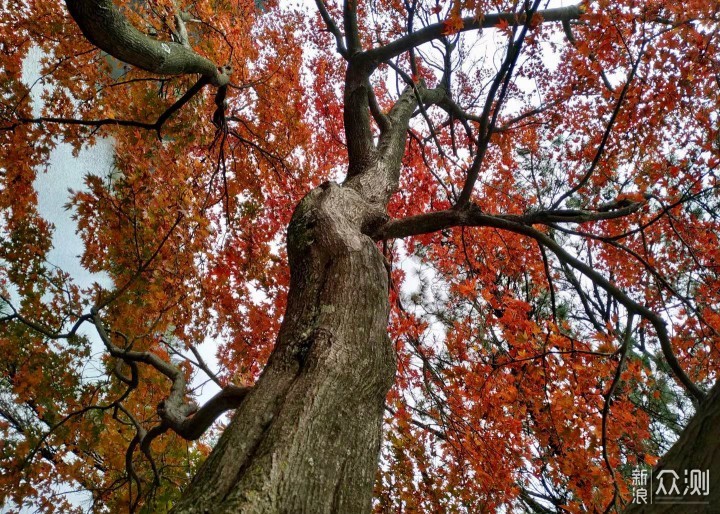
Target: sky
x=66 y=172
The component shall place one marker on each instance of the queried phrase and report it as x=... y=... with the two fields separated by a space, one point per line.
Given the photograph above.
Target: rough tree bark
x=307 y=437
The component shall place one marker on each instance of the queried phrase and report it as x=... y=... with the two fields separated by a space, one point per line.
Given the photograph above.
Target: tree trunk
x=696 y=449
x=307 y=437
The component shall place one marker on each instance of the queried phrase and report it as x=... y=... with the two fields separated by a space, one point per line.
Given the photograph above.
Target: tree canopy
x=540 y=180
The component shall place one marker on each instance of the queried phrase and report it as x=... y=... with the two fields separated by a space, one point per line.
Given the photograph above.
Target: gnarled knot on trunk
x=333 y=218
x=222 y=78
x=169 y=410
x=309 y=349
x=375 y=218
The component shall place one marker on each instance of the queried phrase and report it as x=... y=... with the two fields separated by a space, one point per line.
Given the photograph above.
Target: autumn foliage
x=547 y=343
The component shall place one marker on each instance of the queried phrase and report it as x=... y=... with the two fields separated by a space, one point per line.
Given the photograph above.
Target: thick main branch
x=437 y=30
x=107 y=28
x=378 y=178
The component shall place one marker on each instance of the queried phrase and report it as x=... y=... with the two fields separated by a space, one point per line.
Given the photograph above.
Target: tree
x=552 y=168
